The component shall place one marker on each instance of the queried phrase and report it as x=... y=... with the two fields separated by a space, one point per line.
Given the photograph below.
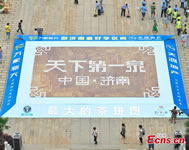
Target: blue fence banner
x=12 y=84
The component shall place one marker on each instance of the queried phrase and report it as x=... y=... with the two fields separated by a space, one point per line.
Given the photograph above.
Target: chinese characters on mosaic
x=95 y=67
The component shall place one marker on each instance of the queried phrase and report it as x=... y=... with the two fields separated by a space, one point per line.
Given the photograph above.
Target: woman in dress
x=155 y=30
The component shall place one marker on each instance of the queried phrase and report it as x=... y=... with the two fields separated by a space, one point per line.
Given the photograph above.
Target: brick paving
x=7 y=45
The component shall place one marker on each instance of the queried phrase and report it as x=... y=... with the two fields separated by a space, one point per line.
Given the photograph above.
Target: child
x=95 y=13
x=123 y=130
x=102 y=10
x=184 y=38
x=185 y=29
x=166 y=22
x=143 y=10
x=155 y=30
x=128 y=14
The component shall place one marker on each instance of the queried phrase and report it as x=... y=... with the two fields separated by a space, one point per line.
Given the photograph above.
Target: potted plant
x=4 y=137
x=187 y=134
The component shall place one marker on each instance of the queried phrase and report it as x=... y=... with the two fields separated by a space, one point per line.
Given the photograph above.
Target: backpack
x=143 y=132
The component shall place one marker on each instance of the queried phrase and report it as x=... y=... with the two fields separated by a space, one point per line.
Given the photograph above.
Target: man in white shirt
x=95 y=135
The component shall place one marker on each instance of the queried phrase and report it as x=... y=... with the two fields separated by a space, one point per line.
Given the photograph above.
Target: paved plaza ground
x=59 y=17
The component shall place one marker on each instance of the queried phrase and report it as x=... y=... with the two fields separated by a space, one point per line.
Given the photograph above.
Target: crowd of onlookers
x=170 y=14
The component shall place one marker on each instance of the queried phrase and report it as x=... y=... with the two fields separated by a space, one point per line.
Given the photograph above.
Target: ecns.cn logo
x=27 y=109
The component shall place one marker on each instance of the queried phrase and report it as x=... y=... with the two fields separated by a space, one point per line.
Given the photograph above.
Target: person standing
x=143 y=10
x=141 y=133
x=185 y=6
x=187 y=14
x=163 y=9
x=174 y=113
x=20 y=27
x=155 y=30
x=169 y=12
x=174 y=17
x=153 y=10
x=165 y=22
x=123 y=130
x=95 y=135
x=184 y=38
x=178 y=26
x=151 y=144
x=1 y=55
x=98 y=7
x=7 y=30
x=123 y=9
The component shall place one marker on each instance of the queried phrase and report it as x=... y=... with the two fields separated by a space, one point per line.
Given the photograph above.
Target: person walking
x=95 y=135
x=163 y=9
x=143 y=10
x=153 y=10
x=141 y=134
x=123 y=130
x=165 y=22
x=169 y=12
x=20 y=27
x=155 y=30
x=1 y=55
x=7 y=30
x=174 y=113
x=179 y=27
x=184 y=38
x=98 y=7
x=123 y=9
x=174 y=17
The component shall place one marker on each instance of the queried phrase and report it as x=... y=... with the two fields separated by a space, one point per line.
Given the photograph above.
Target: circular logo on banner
x=27 y=109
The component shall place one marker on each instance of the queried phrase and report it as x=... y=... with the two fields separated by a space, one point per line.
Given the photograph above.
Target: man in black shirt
x=20 y=27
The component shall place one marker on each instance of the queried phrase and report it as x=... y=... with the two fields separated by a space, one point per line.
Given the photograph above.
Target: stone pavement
x=62 y=17
x=7 y=45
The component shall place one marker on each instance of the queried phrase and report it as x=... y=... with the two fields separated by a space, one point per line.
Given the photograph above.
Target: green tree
x=187 y=127
x=3 y=125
